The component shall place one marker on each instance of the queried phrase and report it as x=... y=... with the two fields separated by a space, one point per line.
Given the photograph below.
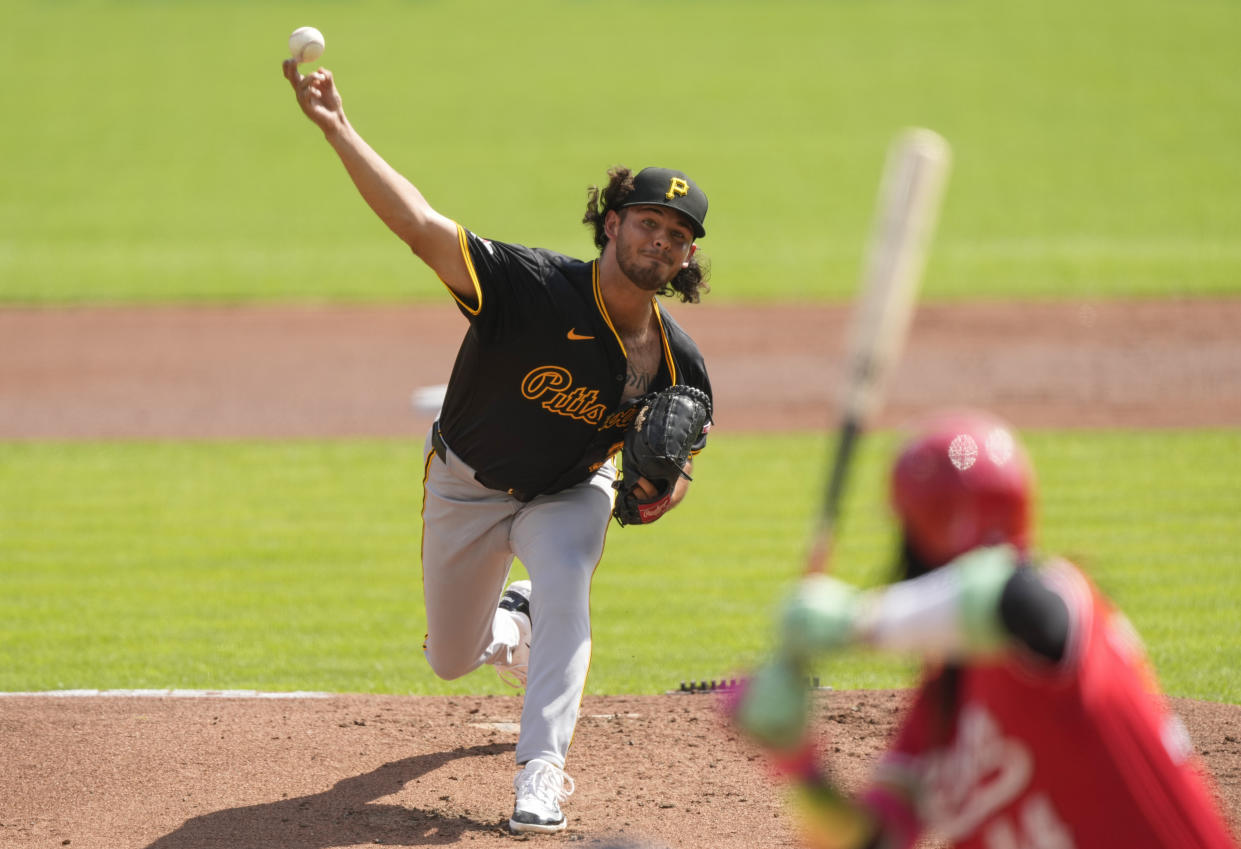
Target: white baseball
x=306 y=44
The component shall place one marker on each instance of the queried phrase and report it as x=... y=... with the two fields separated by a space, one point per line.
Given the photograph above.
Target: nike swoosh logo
x=577 y=337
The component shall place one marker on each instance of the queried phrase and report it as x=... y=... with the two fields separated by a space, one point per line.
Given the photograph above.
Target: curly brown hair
x=690 y=284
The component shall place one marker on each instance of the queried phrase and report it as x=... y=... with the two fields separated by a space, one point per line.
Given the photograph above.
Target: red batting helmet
x=964 y=481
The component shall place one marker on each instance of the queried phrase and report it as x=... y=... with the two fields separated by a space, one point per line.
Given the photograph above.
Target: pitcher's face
x=653 y=244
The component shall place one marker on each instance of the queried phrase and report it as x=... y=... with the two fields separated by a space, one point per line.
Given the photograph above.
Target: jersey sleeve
x=1075 y=607
x=502 y=273
x=1035 y=615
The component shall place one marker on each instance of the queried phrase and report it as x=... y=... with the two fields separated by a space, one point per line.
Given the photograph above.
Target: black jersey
x=534 y=401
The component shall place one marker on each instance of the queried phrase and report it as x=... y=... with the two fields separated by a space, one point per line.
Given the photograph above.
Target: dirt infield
x=313 y=773
x=350 y=371
x=113 y=773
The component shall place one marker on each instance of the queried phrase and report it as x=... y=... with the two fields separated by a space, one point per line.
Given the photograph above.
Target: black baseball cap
x=670 y=188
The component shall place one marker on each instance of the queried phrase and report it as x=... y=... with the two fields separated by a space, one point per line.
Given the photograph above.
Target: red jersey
x=1083 y=754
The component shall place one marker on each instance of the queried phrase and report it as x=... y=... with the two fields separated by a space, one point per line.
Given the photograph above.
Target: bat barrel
x=910 y=192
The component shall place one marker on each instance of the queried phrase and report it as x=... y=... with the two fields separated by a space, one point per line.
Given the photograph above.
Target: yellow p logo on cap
x=677 y=186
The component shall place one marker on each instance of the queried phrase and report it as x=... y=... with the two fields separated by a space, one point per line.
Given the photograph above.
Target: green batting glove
x=774 y=704
x=820 y=616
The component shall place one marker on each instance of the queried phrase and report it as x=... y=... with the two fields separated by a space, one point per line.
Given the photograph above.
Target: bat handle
x=821 y=547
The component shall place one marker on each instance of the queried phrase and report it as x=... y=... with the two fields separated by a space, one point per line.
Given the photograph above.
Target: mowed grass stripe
x=294 y=566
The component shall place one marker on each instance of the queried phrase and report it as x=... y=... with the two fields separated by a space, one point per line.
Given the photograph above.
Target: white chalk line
x=169 y=694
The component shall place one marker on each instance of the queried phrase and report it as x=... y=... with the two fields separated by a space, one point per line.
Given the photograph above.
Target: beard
x=644 y=272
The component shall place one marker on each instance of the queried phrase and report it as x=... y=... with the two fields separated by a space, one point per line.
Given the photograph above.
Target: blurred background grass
x=152 y=151
x=293 y=566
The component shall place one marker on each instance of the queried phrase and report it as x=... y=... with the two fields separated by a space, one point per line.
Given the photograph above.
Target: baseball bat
x=910 y=192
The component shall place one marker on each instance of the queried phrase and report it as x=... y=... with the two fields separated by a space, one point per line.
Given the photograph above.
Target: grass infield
x=294 y=566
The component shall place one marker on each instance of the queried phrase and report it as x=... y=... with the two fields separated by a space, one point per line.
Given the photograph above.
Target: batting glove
x=821 y=615
x=773 y=705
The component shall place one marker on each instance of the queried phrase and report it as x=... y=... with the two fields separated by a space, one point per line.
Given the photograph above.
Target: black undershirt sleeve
x=1035 y=615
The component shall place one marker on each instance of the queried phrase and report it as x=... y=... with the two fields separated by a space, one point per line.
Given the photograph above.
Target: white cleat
x=541 y=787
x=516 y=600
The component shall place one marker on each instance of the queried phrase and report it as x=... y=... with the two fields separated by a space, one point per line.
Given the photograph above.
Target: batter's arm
x=397 y=201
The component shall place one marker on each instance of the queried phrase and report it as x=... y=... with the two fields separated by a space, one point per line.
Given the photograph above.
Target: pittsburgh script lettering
x=553 y=386
x=620 y=419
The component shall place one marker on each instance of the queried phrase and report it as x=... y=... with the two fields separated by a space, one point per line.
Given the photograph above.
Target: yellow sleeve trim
x=469 y=266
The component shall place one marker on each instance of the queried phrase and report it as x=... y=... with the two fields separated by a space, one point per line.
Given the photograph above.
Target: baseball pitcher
x=564 y=363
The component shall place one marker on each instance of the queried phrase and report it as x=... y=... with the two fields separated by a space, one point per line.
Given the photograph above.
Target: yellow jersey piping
x=469 y=266
x=603 y=310
x=422 y=514
x=663 y=338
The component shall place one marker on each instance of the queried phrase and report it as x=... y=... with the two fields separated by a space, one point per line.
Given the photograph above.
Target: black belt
x=441 y=451
x=437 y=442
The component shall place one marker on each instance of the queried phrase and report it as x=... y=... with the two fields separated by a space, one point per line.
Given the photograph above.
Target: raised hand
x=317 y=95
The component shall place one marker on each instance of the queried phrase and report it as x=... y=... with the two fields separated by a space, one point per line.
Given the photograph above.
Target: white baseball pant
x=470 y=536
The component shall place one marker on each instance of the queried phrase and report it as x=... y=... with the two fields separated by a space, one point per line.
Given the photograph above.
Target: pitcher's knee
x=448 y=666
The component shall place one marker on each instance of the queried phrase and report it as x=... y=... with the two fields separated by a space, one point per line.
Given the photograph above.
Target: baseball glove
x=657 y=447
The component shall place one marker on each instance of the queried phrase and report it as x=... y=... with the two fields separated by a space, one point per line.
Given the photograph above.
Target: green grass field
x=288 y=566
x=151 y=150
x=152 y=153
